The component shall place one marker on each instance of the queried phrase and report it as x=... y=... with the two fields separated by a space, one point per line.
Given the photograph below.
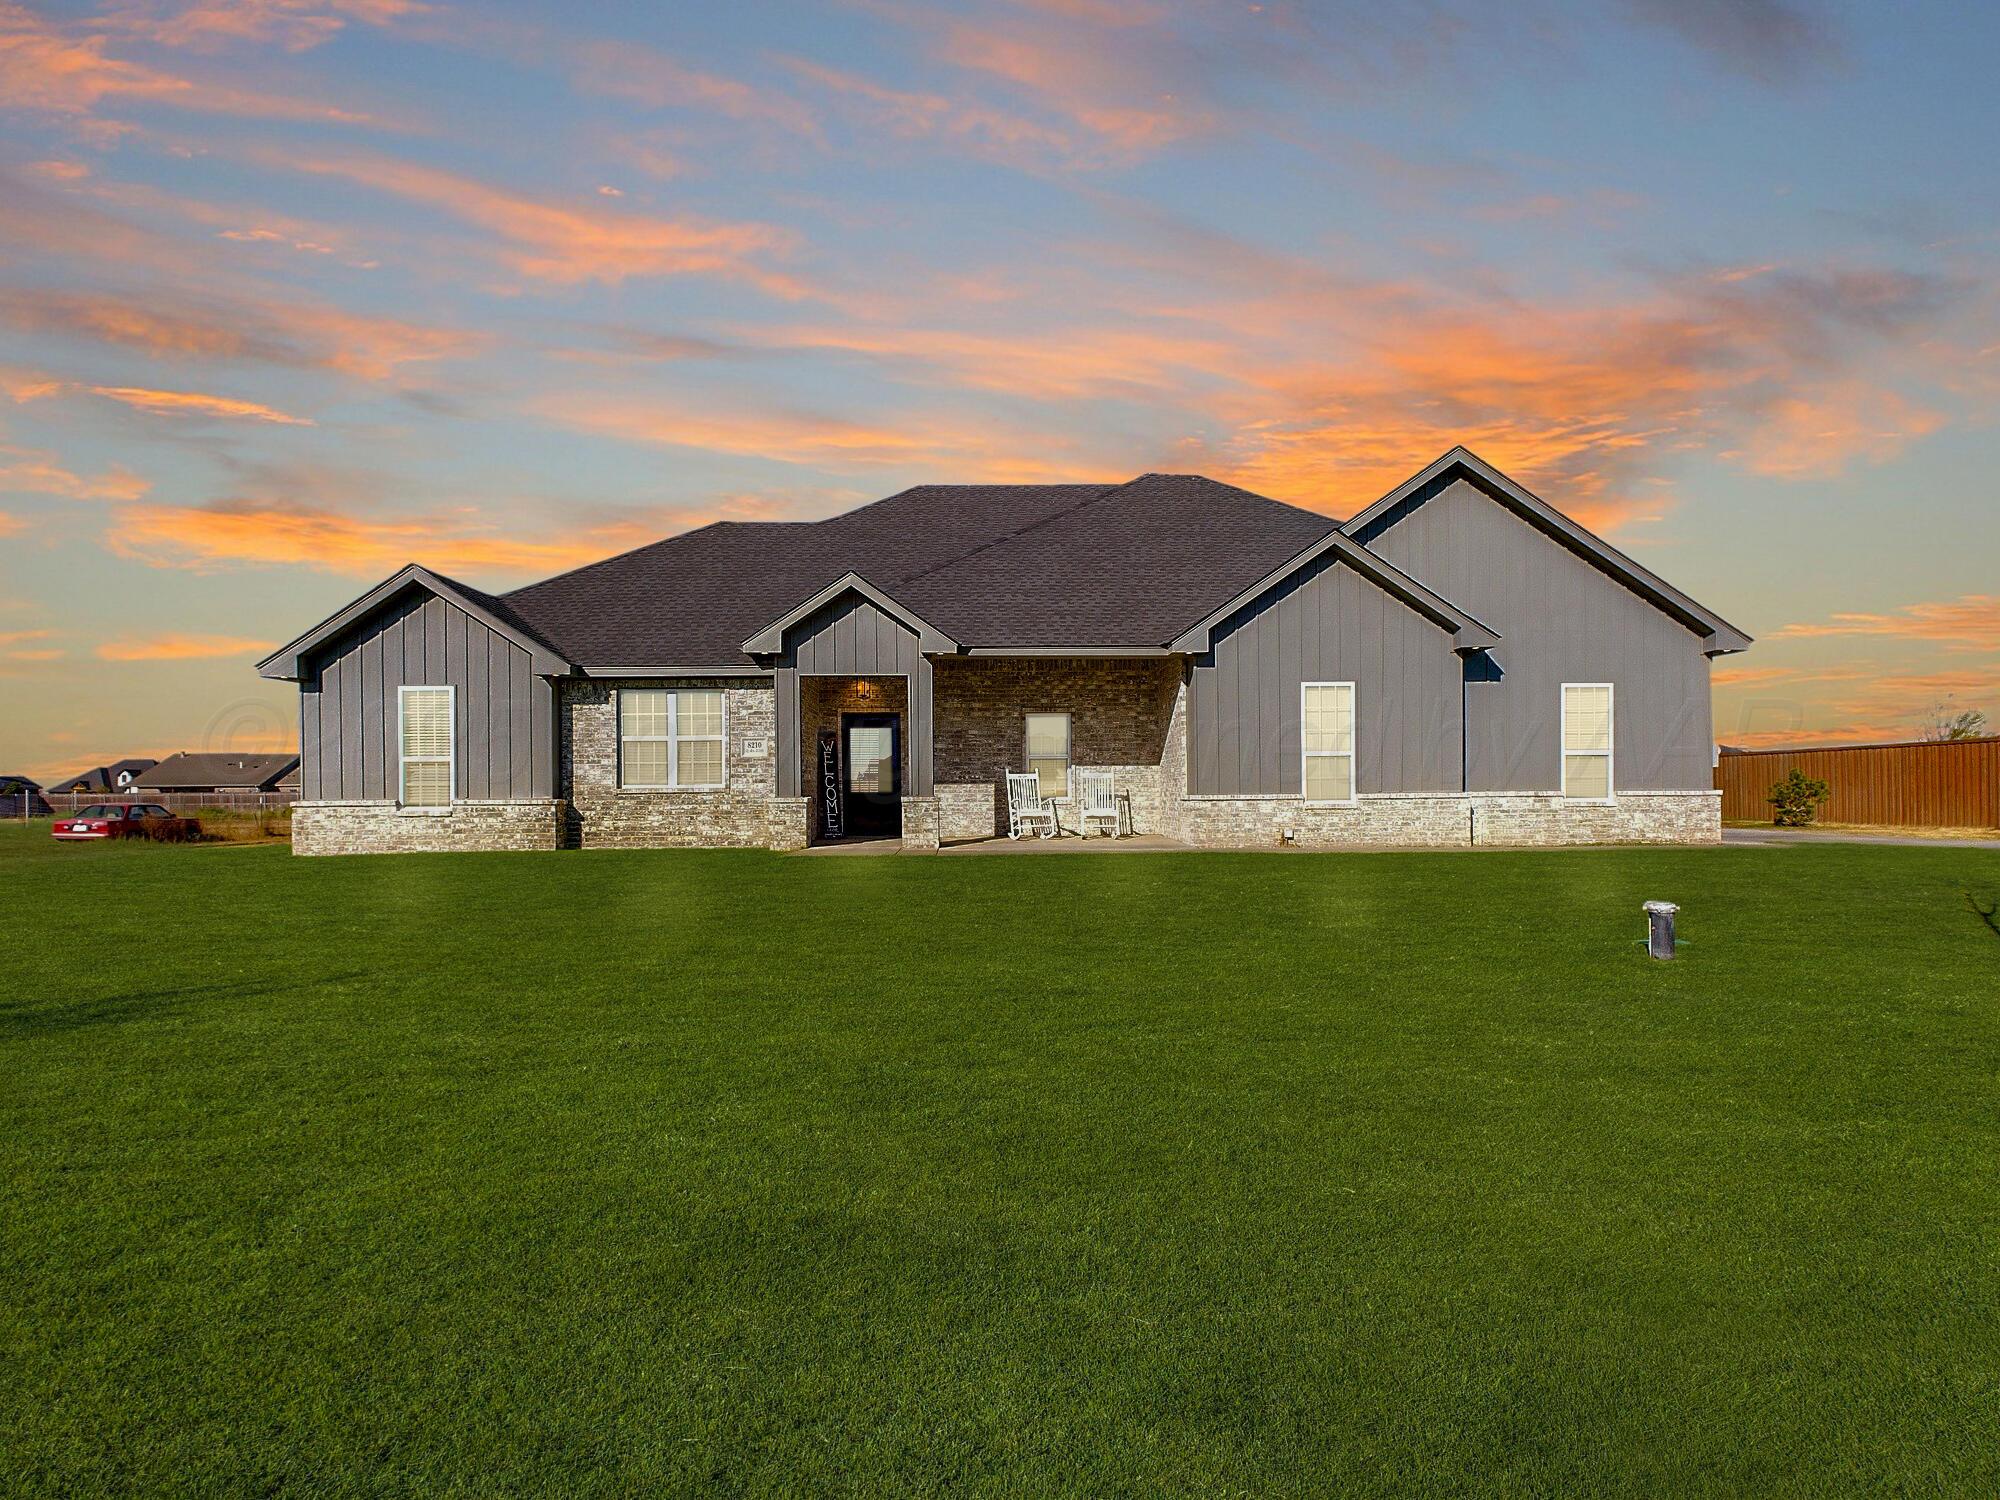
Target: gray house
x=1459 y=663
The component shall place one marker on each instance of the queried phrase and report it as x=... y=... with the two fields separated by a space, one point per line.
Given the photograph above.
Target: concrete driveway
x=1765 y=836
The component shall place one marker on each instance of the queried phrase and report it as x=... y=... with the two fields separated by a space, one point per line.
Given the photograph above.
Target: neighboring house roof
x=18 y=784
x=105 y=778
x=202 y=772
x=1462 y=463
x=495 y=613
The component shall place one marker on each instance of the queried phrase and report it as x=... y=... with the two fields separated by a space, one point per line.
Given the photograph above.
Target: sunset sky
x=295 y=291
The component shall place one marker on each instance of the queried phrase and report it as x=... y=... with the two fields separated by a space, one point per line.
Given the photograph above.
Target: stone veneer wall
x=1119 y=709
x=1632 y=818
x=746 y=812
x=1419 y=819
x=385 y=828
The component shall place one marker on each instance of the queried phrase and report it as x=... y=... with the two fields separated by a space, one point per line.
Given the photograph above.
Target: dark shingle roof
x=202 y=771
x=1026 y=566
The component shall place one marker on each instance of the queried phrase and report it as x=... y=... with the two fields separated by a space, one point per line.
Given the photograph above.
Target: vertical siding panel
x=499 y=717
x=542 y=736
x=372 y=783
x=353 y=726
x=520 y=693
x=309 y=740
x=436 y=614
x=921 y=728
x=787 y=747
x=472 y=777
x=457 y=672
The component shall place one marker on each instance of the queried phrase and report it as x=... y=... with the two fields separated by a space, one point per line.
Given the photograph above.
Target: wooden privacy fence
x=1924 y=784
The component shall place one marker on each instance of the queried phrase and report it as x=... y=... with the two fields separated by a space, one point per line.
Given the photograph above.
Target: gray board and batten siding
x=1562 y=619
x=504 y=734
x=1324 y=623
x=851 y=637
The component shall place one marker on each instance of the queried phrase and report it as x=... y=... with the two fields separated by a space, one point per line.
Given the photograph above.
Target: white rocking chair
x=1027 y=809
x=1100 y=802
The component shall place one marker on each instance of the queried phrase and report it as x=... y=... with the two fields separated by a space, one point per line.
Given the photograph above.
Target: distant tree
x=1796 y=799
x=1948 y=722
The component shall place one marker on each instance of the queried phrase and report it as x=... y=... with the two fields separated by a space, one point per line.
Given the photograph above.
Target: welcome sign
x=830 y=804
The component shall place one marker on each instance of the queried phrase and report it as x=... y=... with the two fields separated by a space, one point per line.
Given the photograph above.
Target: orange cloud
x=295 y=25
x=919 y=116
x=1818 y=433
x=26 y=472
x=11 y=525
x=587 y=242
x=296 y=334
x=9 y=639
x=171 y=647
x=264 y=532
x=1969 y=623
x=193 y=403
x=1891 y=706
x=642 y=75
x=23 y=387
x=1107 y=88
x=41 y=68
x=1052 y=364
x=821 y=441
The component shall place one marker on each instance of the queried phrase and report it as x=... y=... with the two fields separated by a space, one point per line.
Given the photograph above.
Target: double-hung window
x=424 y=741
x=1586 y=741
x=1326 y=715
x=1048 y=752
x=670 y=739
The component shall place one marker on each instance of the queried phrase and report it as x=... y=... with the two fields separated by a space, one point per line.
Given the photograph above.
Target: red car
x=126 y=820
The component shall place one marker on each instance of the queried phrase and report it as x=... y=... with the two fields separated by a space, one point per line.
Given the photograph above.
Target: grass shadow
x=1988 y=913
x=22 y=1020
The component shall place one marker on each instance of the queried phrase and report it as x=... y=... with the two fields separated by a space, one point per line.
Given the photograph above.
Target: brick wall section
x=383 y=828
x=920 y=822
x=1399 y=821
x=742 y=814
x=1420 y=820
x=1633 y=818
x=1119 y=715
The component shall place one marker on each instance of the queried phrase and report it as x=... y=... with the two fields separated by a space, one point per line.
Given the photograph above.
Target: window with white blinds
x=1586 y=739
x=424 y=717
x=670 y=740
x=1048 y=752
x=1326 y=715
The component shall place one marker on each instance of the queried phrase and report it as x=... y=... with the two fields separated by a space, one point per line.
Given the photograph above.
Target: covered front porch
x=870 y=772
x=889 y=729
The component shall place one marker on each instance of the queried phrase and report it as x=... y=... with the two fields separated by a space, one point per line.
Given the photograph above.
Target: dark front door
x=871 y=748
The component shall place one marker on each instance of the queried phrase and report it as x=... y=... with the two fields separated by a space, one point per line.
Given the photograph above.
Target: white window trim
x=1069 y=748
x=1352 y=754
x=1609 y=752
x=451 y=756
x=672 y=740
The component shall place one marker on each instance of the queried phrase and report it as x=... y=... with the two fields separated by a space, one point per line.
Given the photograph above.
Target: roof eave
x=284 y=664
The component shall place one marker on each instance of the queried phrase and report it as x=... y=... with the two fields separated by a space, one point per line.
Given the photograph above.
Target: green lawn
x=1236 y=1174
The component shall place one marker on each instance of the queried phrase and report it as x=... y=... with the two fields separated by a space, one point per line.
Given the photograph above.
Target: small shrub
x=1796 y=799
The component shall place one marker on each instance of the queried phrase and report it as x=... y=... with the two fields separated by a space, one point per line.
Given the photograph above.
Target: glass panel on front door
x=871 y=758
